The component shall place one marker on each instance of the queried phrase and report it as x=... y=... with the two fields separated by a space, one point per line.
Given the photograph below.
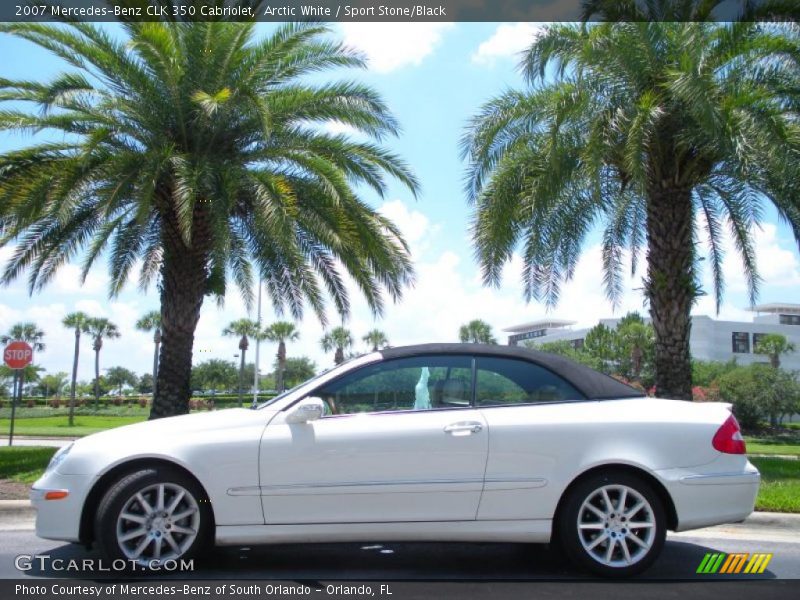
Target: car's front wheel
x=613 y=524
x=153 y=515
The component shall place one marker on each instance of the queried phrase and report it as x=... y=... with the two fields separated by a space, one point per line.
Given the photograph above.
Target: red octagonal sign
x=18 y=355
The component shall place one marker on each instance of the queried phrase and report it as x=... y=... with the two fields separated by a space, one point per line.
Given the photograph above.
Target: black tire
x=573 y=539
x=122 y=492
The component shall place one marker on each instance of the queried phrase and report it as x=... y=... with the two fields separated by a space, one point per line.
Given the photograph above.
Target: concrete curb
x=11 y=510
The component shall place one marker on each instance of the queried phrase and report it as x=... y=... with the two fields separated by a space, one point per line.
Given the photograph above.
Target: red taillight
x=728 y=438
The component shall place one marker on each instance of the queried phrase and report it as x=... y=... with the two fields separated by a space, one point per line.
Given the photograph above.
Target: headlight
x=58 y=458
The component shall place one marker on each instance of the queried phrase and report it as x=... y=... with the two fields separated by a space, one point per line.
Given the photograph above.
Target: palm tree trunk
x=338 y=358
x=74 y=377
x=670 y=287
x=97 y=379
x=183 y=286
x=157 y=344
x=281 y=366
x=241 y=379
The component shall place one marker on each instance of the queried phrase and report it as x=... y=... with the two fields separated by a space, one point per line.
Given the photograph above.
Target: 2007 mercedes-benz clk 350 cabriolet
x=438 y=442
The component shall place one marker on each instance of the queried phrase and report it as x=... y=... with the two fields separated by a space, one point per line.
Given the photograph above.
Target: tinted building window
x=741 y=342
x=504 y=381
x=789 y=319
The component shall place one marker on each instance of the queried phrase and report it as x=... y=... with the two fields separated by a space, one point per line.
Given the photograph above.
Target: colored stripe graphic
x=730 y=564
x=711 y=563
x=734 y=563
x=758 y=563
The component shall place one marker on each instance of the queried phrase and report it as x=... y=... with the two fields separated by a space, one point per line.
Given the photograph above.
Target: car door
x=537 y=431
x=400 y=442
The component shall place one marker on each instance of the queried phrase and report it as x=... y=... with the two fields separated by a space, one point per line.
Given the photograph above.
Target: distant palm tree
x=338 y=339
x=376 y=339
x=281 y=332
x=26 y=332
x=634 y=336
x=100 y=328
x=79 y=322
x=663 y=129
x=147 y=323
x=774 y=345
x=198 y=150
x=243 y=329
x=476 y=332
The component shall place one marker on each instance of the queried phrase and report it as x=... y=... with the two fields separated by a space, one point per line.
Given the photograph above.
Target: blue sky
x=434 y=77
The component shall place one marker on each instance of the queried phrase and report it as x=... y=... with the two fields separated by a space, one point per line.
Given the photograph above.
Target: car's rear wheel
x=152 y=516
x=613 y=524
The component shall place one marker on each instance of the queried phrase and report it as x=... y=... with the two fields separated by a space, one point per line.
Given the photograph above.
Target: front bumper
x=60 y=519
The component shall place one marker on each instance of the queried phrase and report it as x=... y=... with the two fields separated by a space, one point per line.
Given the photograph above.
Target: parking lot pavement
x=408 y=561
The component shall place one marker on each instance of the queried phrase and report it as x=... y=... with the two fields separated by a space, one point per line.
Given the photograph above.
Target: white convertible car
x=444 y=442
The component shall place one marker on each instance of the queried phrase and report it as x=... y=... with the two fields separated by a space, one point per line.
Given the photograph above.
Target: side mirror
x=306 y=410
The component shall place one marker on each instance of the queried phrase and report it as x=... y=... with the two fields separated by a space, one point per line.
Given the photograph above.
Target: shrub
x=705 y=394
x=758 y=392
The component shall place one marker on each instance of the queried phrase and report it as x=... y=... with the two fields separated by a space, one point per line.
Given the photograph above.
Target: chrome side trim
x=738 y=478
x=348 y=487
x=252 y=490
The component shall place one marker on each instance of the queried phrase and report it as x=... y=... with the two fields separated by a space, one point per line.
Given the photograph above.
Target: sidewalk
x=54 y=442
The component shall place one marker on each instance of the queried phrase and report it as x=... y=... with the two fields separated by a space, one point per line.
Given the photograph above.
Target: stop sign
x=18 y=355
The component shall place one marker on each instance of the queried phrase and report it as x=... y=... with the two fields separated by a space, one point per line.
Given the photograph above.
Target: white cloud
x=68 y=280
x=337 y=128
x=414 y=225
x=508 y=40
x=391 y=46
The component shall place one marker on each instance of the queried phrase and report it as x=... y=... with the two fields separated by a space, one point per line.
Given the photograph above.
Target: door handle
x=463 y=428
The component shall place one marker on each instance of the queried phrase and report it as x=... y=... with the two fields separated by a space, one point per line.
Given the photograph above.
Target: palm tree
x=663 y=132
x=634 y=337
x=100 y=328
x=337 y=339
x=26 y=332
x=199 y=150
x=281 y=332
x=79 y=322
x=243 y=329
x=376 y=339
x=774 y=345
x=476 y=332
x=151 y=321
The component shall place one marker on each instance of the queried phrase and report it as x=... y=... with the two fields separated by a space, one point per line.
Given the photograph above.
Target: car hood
x=165 y=437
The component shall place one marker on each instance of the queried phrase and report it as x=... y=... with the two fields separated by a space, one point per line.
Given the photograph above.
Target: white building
x=711 y=339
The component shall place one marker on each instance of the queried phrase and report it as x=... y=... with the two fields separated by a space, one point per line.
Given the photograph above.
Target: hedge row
x=142 y=401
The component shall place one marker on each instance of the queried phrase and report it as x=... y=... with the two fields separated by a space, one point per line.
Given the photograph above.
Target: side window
x=504 y=381
x=416 y=383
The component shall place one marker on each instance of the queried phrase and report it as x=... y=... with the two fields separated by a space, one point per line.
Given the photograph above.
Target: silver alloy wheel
x=158 y=523
x=616 y=525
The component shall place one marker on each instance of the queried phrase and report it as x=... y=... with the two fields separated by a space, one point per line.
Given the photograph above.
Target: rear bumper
x=712 y=498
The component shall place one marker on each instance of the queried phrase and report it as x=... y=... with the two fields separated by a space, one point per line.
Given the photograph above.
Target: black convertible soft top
x=592 y=384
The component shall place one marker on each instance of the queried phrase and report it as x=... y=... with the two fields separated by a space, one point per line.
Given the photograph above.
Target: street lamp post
x=258 y=344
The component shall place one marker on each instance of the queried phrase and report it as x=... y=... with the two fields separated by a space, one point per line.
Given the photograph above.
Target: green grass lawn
x=57 y=426
x=780 y=484
x=24 y=464
x=783 y=443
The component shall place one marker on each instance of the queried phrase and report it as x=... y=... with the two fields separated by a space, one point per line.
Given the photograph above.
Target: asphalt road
x=404 y=561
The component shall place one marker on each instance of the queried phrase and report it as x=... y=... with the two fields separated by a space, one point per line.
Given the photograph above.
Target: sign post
x=17 y=355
